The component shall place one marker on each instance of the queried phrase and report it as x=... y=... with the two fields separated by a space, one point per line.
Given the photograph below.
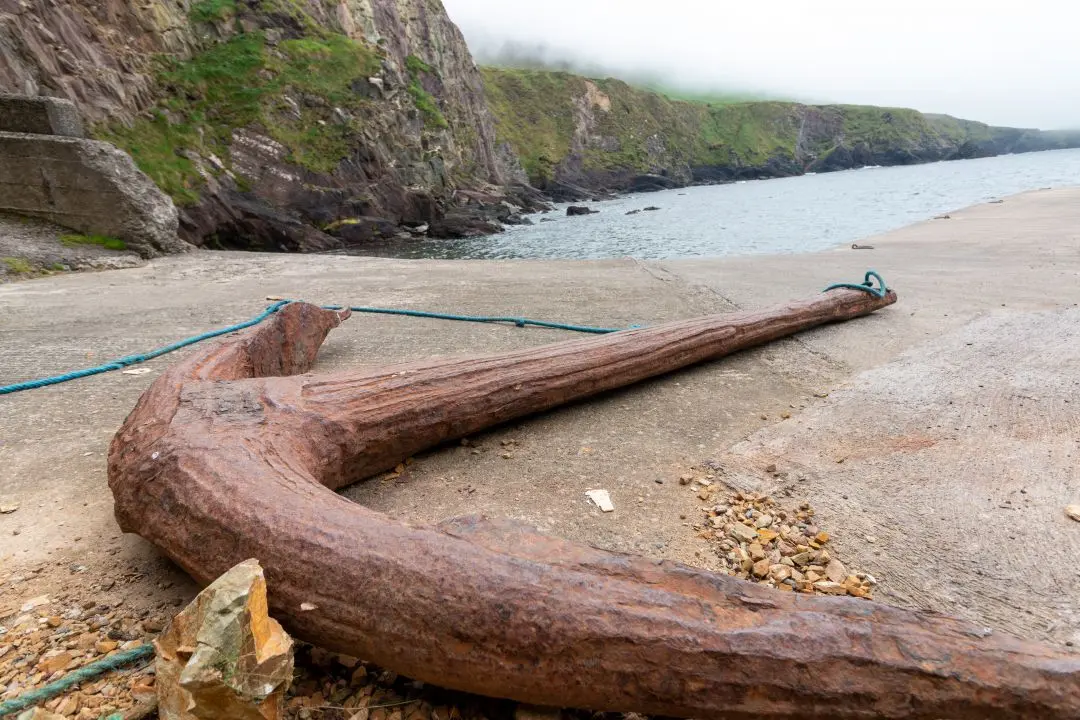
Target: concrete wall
x=39 y=115
x=48 y=171
x=89 y=186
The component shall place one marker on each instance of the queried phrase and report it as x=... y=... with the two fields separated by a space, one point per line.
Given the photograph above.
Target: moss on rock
x=247 y=82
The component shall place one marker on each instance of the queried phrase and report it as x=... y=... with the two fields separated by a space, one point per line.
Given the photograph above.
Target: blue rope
x=124 y=362
x=86 y=672
x=867 y=286
x=519 y=322
x=135 y=359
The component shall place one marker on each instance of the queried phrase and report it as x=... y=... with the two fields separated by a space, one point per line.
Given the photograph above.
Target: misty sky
x=1006 y=63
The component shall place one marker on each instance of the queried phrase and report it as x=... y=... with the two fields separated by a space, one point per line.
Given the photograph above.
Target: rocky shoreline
x=289 y=128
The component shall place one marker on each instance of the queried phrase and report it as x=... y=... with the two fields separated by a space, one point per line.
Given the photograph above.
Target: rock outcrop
x=87 y=185
x=277 y=123
x=577 y=137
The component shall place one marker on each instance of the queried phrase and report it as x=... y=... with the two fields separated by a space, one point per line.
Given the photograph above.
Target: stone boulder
x=89 y=186
x=575 y=210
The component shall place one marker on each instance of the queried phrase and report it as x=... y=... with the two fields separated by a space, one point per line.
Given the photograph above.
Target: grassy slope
x=535 y=114
x=247 y=81
x=239 y=83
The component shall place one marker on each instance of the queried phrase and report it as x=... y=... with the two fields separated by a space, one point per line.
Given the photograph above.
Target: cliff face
x=277 y=124
x=574 y=134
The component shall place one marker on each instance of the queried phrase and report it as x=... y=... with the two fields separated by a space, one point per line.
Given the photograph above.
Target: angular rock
x=761 y=568
x=835 y=571
x=742 y=533
x=780 y=572
x=224 y=657
x=602 y=499
x=830 y=588
x=766 y=536
x=756 y=551
x=1073 y=511
x=574 y=210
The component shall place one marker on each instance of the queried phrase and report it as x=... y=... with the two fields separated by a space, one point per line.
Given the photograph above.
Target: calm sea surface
x=788 y=215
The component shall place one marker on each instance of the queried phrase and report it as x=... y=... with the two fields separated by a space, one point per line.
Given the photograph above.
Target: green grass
x=537 y=112
x=422 y=99
x=21 y=266
x=211 y=10
x=415 y=66
x=429 y=109
x=109 y=243
x=243 y=83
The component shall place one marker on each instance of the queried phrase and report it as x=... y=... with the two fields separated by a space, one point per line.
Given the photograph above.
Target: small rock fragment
x=761 y=568
x=36 y=602
x=55 y=663
x=766 y=535
x=830 y=588
x=601 y=499
x=835 y=571
x=756 y=551
x=742 y=533
x=8 y=508
x=779 y=572
x=1073 y=511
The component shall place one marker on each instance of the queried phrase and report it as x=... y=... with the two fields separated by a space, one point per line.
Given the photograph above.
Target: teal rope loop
x=86 y=672
x=124 y=362
x=867 y=285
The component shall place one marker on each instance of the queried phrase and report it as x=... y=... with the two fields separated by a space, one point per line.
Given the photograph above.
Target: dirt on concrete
x=893 y=426
x=34 y=248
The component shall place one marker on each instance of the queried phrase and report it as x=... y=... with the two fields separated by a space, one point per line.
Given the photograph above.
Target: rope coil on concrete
x=867 y=285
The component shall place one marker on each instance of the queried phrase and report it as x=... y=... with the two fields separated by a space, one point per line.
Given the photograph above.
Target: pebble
x=836 y=571
x=602 y=500
x=785 y=550
x=830 y=588
x=1073 y=511
x=742 y=533
x=36 y=602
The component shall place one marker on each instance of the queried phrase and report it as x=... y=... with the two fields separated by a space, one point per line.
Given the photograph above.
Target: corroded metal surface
x=231 y=455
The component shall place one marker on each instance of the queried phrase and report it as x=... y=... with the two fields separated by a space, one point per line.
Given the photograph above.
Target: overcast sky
x=1006 y=63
